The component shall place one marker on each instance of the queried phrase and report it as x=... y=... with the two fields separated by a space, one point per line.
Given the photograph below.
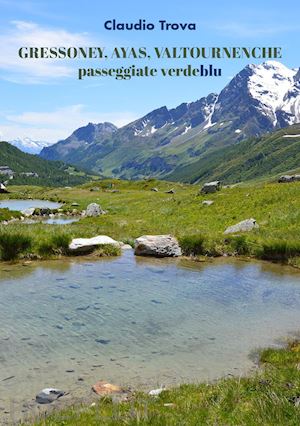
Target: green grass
x=268 y=397
x=135 y=210
x=57 y=244
x=239 y=245
x=6 y=214
x=192 y=245
x=12 y=244
x=280 y=250
x=40 y=242
x=267 y=156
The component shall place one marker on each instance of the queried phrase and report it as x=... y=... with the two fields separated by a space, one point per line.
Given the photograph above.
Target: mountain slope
x=259 y=99
x=50 y=173
x=269 y=155
x=72 y=149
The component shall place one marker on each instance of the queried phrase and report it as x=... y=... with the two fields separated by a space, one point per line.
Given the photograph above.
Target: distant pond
x=20 y=205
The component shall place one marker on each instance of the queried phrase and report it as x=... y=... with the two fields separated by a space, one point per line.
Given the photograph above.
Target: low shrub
x=239 y=244
x=280 y=250
x=129 y=241
x=108 y=250
x=12 y=244
x=6 y=214
x=56 y=244
x=192 y=245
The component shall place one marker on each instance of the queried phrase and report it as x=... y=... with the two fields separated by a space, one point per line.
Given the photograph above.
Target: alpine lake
x=136 y=321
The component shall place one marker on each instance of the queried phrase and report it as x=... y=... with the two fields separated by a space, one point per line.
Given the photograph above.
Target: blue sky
x=44 y=100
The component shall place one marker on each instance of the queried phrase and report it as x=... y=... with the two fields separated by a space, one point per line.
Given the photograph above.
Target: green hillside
x=50 y=173
x=267 y=156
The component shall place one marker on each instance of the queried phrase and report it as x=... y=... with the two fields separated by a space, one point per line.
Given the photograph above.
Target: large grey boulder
x=243 y=226
x=94 y=210
x=48 y=395
x=211 y=187
x=81 y=245
x=157 y=245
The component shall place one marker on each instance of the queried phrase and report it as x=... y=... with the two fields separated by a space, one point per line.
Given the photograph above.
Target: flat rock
x=93 y=210
x=207 y=202
x=243 y=226
x=125 y=246
x=86 y=244
x=48 y=395
x=28 y=212
x=104 y=388
x=157 y=245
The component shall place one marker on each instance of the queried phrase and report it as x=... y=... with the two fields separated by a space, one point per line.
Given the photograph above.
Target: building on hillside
x=29 y=174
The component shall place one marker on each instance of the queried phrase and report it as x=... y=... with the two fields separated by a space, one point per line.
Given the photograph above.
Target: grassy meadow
x=133 y=209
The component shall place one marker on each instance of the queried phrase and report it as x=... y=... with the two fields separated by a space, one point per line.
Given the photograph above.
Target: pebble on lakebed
x=103 y=388
x=48 y=395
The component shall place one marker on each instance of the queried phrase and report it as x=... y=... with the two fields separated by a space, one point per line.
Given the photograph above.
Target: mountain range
x=258 y=100
x=29 y=145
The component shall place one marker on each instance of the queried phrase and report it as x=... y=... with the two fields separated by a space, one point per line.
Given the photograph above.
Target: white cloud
x=58 y=124
x=23 y=34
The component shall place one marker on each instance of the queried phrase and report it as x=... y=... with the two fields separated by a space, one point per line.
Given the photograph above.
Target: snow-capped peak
x=29 y=145
x=269 y=83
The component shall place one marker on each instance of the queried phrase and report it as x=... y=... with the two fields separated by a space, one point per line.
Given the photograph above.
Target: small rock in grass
x=156 y=392
x=94 y=210
x=243 y=226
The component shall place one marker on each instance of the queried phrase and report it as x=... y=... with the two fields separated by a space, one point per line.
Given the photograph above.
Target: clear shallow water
x=52 y=220
x=137 y=321
x=60 y=220
x=19 y=205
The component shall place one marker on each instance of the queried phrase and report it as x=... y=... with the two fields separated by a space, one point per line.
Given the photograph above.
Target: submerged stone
x=102 y=341
x=104 y=388
x=48 y=395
